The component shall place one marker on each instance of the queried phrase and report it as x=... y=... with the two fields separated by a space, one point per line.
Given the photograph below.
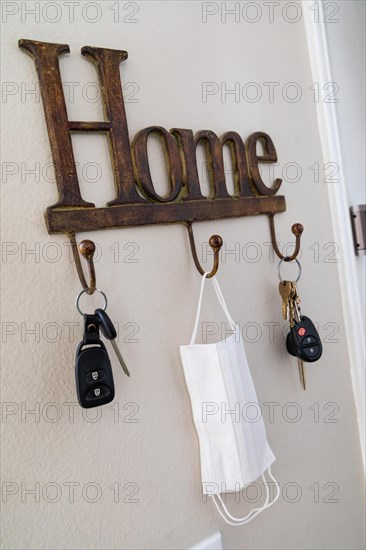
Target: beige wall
x=171 y=53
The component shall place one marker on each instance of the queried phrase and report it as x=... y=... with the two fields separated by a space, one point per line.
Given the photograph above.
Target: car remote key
x=303 y=341
x=93 y=370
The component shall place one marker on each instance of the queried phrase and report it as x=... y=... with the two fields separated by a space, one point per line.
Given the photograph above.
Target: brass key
x=296 y=301
x=291 y=304
x=285 y=290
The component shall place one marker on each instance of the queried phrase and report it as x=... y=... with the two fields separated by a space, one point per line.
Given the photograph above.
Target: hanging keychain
x=303 y=340
x=93 y=370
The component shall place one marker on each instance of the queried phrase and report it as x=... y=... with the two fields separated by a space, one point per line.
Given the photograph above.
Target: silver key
x=119 y=357
x=109 y=332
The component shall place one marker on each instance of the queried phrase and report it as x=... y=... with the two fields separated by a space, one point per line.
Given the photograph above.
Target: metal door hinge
x=358 y=217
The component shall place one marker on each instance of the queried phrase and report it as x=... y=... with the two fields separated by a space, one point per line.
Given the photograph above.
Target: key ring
x=279 y=269
x=84 y=292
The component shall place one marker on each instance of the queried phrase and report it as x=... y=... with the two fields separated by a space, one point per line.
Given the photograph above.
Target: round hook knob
x=297 y=229
x=215 y=242
x=87 y=249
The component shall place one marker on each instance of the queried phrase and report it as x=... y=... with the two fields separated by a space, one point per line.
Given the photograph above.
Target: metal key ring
x=279 y=269
x=83 y=292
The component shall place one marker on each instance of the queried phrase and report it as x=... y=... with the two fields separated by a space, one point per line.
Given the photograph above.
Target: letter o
x=141 y=163
x=298 y=492
x=245 y=414
x=297 y=87
x=288 y=249
x=245 y=9
x=50 y=338
x=245 y=94
x=298 y=410
x=97 y=417
x=298 y=12
x=86 y=16
x=51 y=246
x=98 y=492
x=285 y=172
x=51 y=419
x=45 y=12
x=86 y=173
x=258 y=335
x=258 y=495
x=245 y=252
x=53 y=485
x=85 y=92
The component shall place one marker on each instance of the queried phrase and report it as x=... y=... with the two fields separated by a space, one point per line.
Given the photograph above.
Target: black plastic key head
x=105 y=324
x=303 y=341
x=94 y=377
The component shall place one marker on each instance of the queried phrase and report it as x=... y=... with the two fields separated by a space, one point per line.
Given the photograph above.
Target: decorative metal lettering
x=136 y=201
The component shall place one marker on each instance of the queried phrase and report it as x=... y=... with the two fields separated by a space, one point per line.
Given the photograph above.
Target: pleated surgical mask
x=234 y=451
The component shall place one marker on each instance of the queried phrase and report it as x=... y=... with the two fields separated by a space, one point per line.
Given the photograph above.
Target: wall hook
x=215 y=243
x=296 y=229
x=86 y=249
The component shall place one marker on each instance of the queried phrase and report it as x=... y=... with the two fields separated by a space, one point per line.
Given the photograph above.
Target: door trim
x=330 y=139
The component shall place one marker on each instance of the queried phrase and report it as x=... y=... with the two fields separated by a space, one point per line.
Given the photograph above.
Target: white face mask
x=234 y=449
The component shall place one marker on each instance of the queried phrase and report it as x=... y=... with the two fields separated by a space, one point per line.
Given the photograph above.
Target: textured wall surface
x=145 y=443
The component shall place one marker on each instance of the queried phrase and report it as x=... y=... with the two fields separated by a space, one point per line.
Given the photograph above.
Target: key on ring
x=285 y=290
x=296 y=318
x=109 y=332
x=290 y=301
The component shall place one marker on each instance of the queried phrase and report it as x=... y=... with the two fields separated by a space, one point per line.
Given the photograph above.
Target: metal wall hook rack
x=87 y=249
x=136 y=201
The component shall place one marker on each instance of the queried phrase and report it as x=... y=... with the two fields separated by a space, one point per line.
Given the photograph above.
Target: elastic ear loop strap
x=253 y=513
x=222 y=303
x=194 y=333
x=240 y=521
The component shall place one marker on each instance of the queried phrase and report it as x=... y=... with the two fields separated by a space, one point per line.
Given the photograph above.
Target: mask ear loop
x=253 y=513
x=246 y=519
x=223 y=303
x=195 y=328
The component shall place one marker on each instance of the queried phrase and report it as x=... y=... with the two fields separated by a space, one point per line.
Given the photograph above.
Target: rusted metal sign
x=136 y=201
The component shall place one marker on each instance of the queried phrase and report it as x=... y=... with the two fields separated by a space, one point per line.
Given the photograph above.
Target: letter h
x=107 y=63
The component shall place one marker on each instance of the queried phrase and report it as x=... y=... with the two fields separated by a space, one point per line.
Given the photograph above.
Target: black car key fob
x=93 y=370
x=303 y=341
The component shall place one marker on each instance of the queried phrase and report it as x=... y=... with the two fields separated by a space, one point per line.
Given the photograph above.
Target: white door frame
x=330 y=139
